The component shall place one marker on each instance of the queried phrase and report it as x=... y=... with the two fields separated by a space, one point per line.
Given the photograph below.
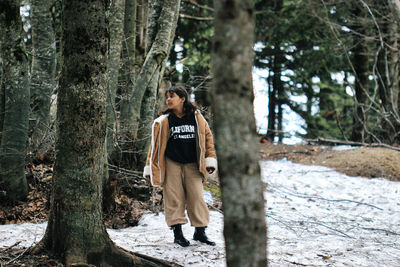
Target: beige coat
x=155 y=164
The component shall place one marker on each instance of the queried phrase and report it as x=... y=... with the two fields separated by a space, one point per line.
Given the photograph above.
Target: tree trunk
x=76 y=229
x=272 y=102
x=2 y=96
x=157 y=55
x=161 y=23
x=116 y=34
x=388 y=60
x=236 y=140
x=151 y=96
x=361 y=68
x=142 y=23
x=153 y=14
x=278 y=84
x=146 y=119
x=128 y=67
x=161 y=31
x=43 y=72
x=280 y=124
x=15 y=101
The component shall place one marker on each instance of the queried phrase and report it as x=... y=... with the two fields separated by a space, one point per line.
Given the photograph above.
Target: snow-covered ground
x=319 y=217
x=315 y=217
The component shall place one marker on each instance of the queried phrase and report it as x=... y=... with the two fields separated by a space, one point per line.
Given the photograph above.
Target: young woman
x=180 y=157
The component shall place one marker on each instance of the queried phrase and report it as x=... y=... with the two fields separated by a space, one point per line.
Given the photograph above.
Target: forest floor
x=129 y=207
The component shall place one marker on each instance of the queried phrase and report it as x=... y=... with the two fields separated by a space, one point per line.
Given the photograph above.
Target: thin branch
x=195 y=18
x=273 y=217
x=296 y=263
x=194 y=2
x=214 y=208
x=135 y=174
x=375 y=22
x=351 y=143
x=331 y=228
x=383 y=230
x=10 y=247
x=17 y=257
x=288 y=191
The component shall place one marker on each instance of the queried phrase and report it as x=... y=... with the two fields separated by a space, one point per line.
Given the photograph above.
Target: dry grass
x=364 y=161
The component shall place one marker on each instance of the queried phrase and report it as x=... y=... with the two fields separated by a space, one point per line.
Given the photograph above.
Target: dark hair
x=179 y=90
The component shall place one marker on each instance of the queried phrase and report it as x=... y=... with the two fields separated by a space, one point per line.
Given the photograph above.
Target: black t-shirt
x=181 y=146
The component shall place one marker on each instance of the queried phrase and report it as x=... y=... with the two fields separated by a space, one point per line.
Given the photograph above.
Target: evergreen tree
x=297 y=47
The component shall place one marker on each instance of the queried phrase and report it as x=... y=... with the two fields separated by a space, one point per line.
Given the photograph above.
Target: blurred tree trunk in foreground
x=14 y=102
x=236 y=140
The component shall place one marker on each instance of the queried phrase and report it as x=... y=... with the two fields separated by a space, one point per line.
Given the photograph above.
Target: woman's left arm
x=211 y=155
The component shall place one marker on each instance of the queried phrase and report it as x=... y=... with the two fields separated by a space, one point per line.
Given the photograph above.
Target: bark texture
x=14 y=102
x=151 y=95
x=116 y=33
x=153 y=14
x=161 y=25
x=361 y=68
x=128 y=72
x=155 y=58
x=142 y=24
x=388 y=72
x=43 y=70
x=76 y=229
x=242 y=192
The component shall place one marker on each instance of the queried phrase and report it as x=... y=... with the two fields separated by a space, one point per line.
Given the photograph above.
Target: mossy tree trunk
x=76 y=229
x=116 y=34
x=139 y=84
x=145 y=114
x=43 y=72
x=128 y=72
x=14 y=102
x=235 y=134
x=162 y=19
x=142 y=24
x=126 y=82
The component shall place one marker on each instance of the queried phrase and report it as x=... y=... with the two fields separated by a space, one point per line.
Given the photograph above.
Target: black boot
x=178 y=236
x=200 y=235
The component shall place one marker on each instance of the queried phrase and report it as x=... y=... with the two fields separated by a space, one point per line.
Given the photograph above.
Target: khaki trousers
x=183 y=189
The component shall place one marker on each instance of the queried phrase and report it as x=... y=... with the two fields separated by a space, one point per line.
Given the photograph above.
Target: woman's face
x=174 y=102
